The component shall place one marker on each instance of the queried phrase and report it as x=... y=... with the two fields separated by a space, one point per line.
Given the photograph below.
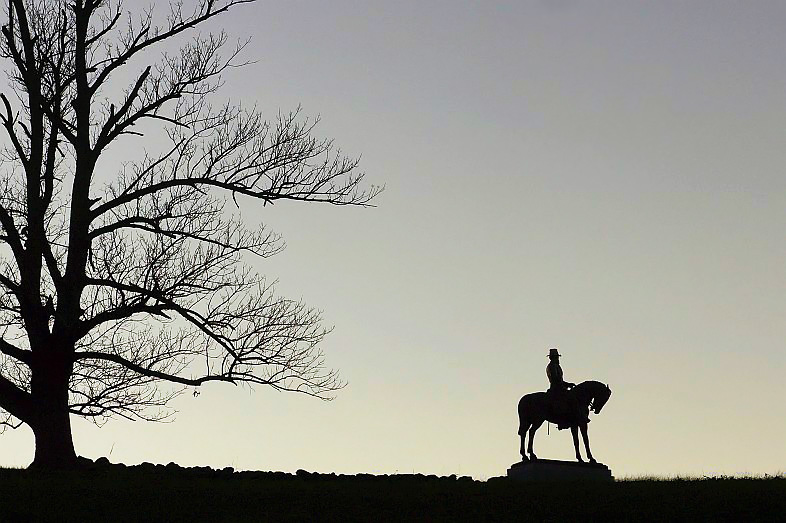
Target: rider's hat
x=553 y=352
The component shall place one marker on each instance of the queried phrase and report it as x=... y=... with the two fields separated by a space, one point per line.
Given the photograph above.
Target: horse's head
x=600 y=399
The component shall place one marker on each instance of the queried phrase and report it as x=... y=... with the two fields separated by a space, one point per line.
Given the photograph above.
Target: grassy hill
x=171 y=493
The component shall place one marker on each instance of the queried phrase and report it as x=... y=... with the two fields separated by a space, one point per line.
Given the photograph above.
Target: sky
x=602 y=177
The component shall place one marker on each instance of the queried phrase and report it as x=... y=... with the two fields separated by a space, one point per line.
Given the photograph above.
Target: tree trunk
x=54 y=446
x=51 y=424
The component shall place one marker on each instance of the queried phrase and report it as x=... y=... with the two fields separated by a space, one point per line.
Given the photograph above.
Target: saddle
x=564 y=409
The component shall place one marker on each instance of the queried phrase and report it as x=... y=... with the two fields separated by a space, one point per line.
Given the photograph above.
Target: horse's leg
x=535 y=426
x=585 y=437
x=575 y=433
x=523 y=427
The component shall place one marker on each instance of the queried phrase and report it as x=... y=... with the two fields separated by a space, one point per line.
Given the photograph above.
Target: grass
x=157 y=493
x=778 y=475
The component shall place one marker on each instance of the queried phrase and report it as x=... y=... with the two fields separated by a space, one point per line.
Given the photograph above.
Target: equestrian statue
x=565 y=404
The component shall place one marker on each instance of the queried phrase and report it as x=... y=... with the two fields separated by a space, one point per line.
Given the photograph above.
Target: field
x=171 y=493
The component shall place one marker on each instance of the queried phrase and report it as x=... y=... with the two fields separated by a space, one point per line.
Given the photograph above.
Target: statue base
x=556 y=470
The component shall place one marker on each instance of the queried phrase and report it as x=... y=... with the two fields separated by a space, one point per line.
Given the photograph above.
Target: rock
x=146 y=466
x=84 y=463
x=555 y=470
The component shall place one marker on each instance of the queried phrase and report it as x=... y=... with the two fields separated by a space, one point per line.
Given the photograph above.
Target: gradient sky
x=604 y=177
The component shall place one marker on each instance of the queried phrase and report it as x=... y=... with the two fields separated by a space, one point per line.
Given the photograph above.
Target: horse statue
x=538 y=407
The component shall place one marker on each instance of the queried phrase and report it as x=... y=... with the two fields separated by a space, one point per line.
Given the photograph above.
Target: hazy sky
x=604 y=177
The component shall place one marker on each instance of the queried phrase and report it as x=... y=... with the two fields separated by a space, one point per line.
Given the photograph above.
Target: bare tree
x=110 y=289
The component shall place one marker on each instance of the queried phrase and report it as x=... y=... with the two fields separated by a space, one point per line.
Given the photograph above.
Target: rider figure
x=563 y=403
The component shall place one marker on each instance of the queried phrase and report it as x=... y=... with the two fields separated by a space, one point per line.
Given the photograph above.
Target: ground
x=170 y=493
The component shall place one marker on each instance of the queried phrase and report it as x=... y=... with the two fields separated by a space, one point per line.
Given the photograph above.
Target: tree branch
x=121 y=313
x=15 y=401
x=139 y=43
x=81 y=355
x=25 y=356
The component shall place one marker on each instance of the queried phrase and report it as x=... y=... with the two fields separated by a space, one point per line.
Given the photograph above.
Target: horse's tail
x=523 y=419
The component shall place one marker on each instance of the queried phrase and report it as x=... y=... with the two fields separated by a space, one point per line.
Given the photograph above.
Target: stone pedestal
x=555 y=470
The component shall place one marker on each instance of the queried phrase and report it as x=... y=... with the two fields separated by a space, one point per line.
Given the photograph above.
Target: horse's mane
x=589 y=388
x=590 y=384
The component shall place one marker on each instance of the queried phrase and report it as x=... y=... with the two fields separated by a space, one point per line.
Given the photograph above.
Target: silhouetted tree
x=113 y=284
